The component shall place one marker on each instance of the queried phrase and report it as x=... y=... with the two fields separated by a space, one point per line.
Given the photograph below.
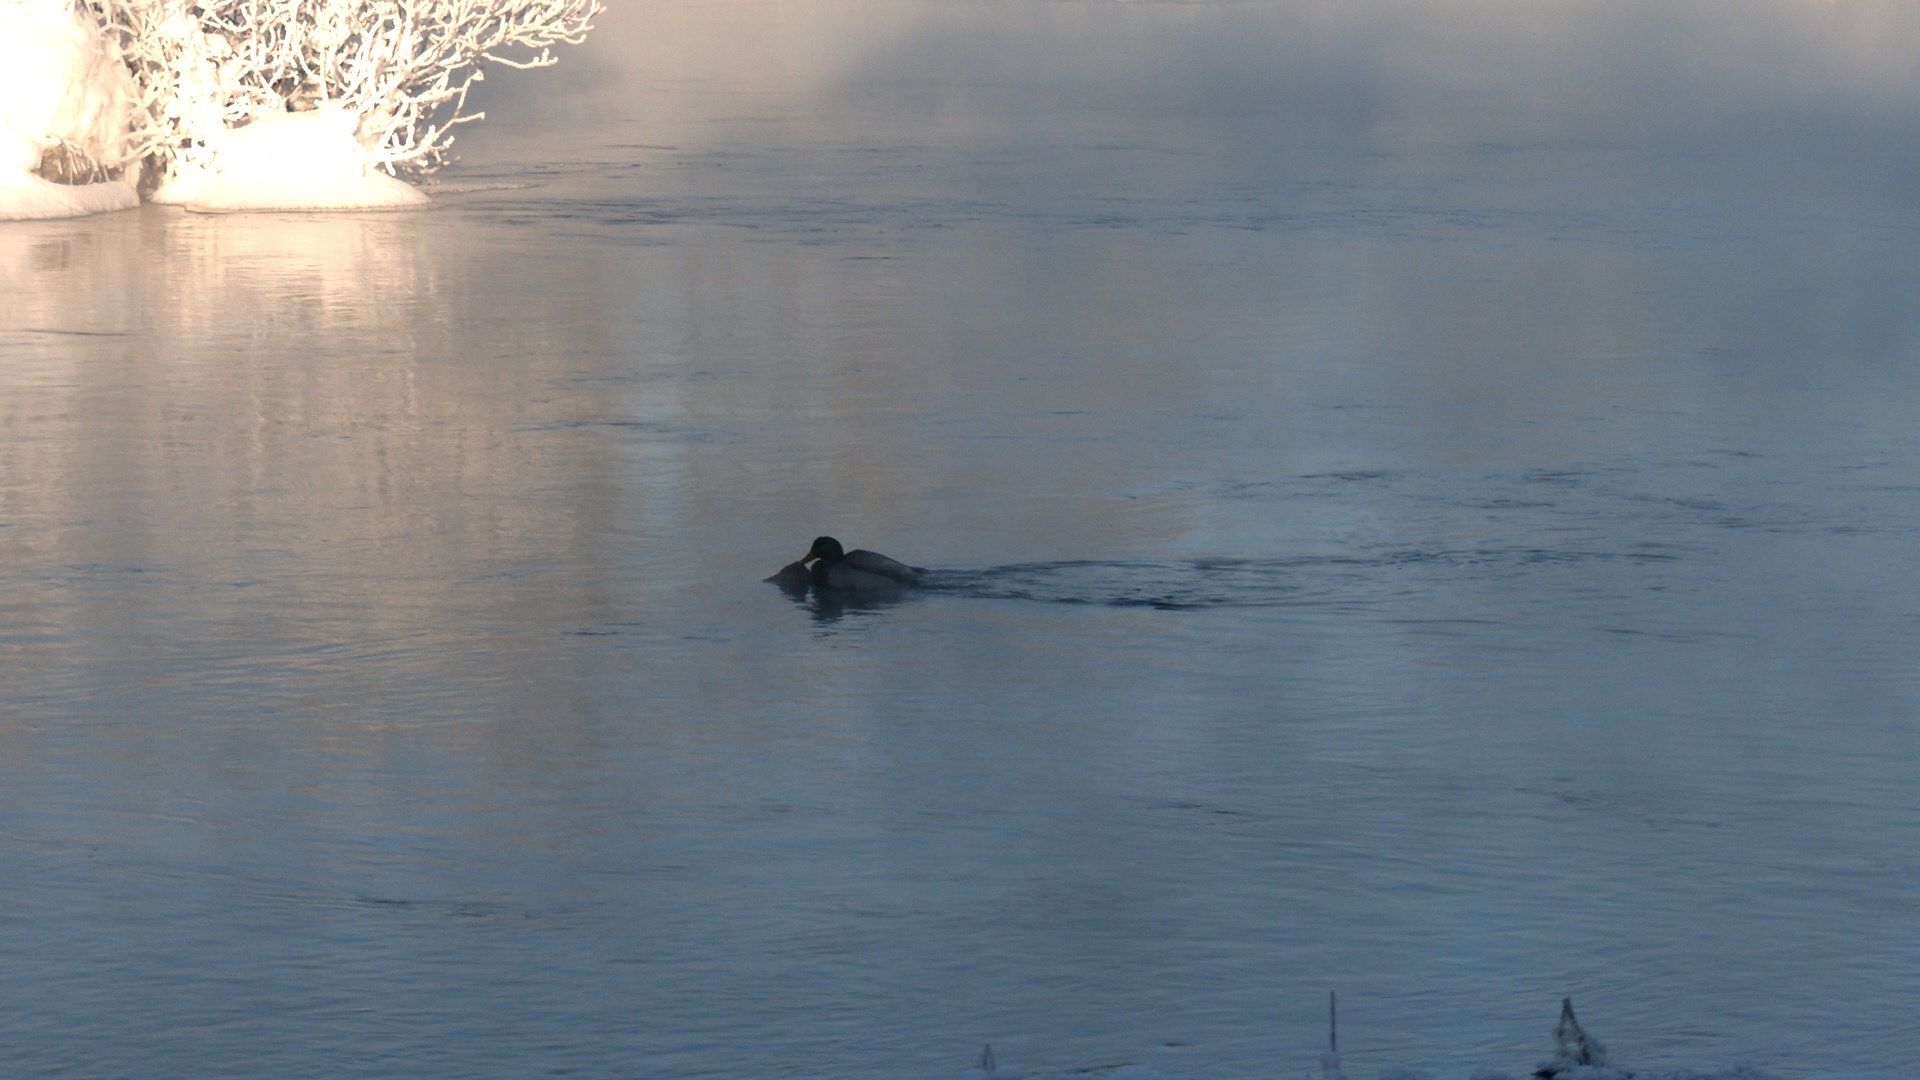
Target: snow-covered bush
x=64 y=113
x=401 y=69
x=243 y=103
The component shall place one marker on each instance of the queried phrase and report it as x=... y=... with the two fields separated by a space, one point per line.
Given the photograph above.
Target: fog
x=1418 y=501
x=1829 y=85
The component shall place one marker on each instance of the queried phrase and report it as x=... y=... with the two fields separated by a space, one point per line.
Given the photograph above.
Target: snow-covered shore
x=60 y=85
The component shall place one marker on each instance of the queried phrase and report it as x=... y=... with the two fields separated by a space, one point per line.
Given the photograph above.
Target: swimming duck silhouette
x=836 y=568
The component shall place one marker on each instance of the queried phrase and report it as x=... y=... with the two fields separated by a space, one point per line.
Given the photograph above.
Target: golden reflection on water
x=323 y=415
x=427 y=446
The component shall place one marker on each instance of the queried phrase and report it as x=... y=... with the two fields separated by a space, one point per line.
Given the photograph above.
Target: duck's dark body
x=857 y=570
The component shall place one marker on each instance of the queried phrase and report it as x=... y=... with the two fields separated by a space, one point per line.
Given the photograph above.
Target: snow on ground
x=293 y=161
x=24 y=197
x=58 y=83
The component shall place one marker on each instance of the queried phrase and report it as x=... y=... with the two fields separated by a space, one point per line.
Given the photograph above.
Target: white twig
x=403 y=68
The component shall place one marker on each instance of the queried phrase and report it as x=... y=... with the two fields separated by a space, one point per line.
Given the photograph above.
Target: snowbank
x=292 y=161
x=60 y=85
x=24 y=197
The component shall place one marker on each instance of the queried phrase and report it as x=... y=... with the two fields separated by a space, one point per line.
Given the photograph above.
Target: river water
x=1369 y=555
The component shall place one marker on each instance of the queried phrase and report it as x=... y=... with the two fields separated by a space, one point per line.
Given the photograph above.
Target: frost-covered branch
x=402 y=68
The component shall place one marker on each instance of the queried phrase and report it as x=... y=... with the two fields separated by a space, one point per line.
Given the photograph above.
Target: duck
x=834 y=567
x=792 y=578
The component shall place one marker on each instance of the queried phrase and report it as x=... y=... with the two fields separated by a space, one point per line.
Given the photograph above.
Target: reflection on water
x=1455 y=572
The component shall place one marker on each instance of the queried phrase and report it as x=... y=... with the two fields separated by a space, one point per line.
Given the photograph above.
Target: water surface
x=1458 y=573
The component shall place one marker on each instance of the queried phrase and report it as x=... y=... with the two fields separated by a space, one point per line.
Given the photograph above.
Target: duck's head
x=825 y=547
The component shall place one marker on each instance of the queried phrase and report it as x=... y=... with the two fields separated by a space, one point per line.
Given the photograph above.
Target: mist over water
x=1419 y=502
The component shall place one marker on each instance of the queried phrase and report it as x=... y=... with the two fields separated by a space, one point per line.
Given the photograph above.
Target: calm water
x=1457 y=572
